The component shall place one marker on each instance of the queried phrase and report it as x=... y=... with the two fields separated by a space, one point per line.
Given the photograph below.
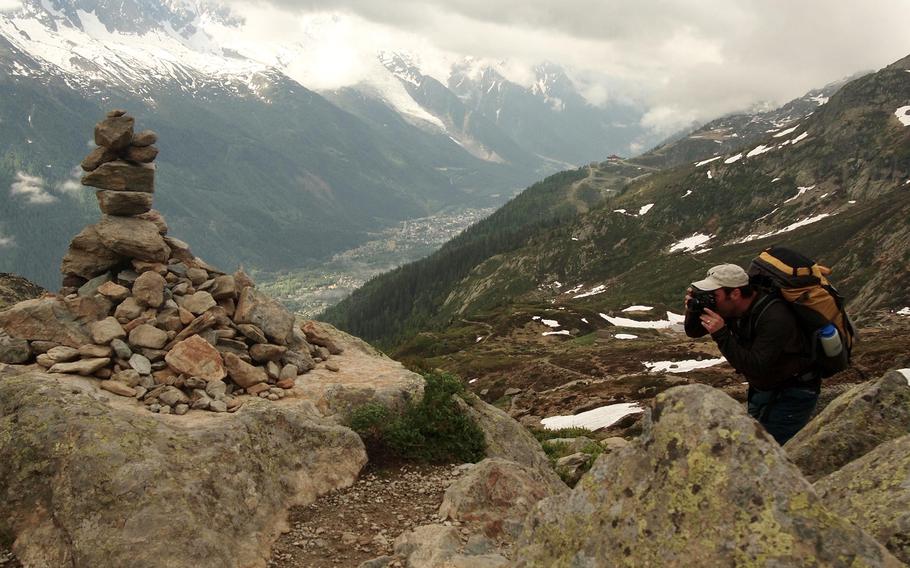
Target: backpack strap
x=761 y=307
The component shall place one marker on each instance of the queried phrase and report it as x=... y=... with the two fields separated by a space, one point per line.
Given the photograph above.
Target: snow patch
x=593 y=419
x=681 y=366
x=691 y=243
x=775 y=179
x=798 y=138
x=625 y=336
x=688 y=193
x=645 y=208
x=550 y=323
x=903 y=115
x=787 y=229
x=703 y=162
x=563 y=332
x=637 y=308
x=709 y=175
x=600 y=289
x=801 y=190
x=903 y=312
x=761 y=149
x=733 y=159
x=672 y=319
x=584 y=320
x=783 y=133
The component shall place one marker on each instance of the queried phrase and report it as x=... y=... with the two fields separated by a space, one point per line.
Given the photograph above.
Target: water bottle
x=830 y=339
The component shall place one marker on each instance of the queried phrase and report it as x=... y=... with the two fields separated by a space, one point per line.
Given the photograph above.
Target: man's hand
x=689 y=291
x=712 y=321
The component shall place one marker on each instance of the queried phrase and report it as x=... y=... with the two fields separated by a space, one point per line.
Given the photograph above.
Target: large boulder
x=90 y=479
x=704 y=484
x=874 y=492
x=506 y=438
x=497 y=495
x=124 y=203
x=122 y=176
x=88 y=256
x=132 y=238
x=854 y=423
x=53 y=319
x=265 y=313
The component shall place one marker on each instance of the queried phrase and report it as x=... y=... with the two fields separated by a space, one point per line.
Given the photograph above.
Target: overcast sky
x=686 y=60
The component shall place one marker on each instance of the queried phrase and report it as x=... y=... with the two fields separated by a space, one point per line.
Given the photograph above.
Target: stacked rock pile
x=160 y=324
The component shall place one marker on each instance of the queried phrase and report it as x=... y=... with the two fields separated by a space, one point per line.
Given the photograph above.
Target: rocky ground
x=349 y=526
x=7 y=559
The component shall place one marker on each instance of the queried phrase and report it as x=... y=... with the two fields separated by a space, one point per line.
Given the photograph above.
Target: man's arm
x=772 y=334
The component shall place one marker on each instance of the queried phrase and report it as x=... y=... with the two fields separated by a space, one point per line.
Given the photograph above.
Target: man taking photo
x=760 y=337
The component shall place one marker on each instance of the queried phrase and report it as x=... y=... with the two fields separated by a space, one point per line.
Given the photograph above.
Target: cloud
x=683 y=58
x=71 y=186
x=7 y=242
x=32 y=188
x=10 y=5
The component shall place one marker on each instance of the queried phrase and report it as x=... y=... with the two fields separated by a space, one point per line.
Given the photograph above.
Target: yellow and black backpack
x=804 y=285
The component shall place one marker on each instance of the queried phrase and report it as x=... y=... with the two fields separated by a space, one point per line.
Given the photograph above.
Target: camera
x=700 y=300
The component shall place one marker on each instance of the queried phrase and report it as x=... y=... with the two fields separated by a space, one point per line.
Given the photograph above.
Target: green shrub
x=431 y=430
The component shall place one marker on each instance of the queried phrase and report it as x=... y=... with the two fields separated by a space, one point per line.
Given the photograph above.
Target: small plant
x=431 y=430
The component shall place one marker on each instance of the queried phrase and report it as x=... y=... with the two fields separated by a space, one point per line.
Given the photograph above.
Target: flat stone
x=242 y=373
x=122 y=176
x=332 y=367
x=146 y=335
x=262 y=352
x=118 y=388
x=198 y=303
x=43 y=346
x=155 y=217
x=124 y=203
x=252 y=333
x=149 y=289
x=96 y=157
x=121 y=349
x=106 y=330
x=63 y=354
x=218 y=406
x=82 y=367
x=141 y=154
x=113 y=291
x=254 y=390
x=144 y=138
x=91 y=351
x=196 y=357
x=115 y=132
x=289 y=371
x=132 y=238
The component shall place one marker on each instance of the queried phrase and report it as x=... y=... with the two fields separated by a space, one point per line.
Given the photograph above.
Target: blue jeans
x=784 y=412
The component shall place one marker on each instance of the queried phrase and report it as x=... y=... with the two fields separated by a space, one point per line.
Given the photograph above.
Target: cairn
x=166 y=327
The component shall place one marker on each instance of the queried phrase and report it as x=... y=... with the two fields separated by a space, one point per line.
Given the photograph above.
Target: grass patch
x=432 y=430
x=585 y=340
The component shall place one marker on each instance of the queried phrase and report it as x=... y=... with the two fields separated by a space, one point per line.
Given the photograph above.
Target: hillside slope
x=837 y=186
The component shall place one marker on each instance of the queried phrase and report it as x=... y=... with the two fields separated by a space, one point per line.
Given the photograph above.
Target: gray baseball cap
x=723 y=276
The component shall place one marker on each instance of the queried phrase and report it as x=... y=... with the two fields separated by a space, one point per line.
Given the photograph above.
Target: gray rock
x=216 y=389
x=428 y=546
x=506 y=438
x=873 y=491
x=90 y=288
x=124 y=203
x=853 y=424
x=81 y=367
x=572 y=467
x=129 y=377
x=141 y=364
x=704 y=481
x=197 y=275
x=128 y=310
x=223 y=287
x=13 y=351
x=43 y=346
x=172 y=396
x=181 y=409
x=121 y=349
x=106 y=330
x=497 y=495
x=88 y=255
x=56 y=320
x=218 y=406
x=122 y=176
